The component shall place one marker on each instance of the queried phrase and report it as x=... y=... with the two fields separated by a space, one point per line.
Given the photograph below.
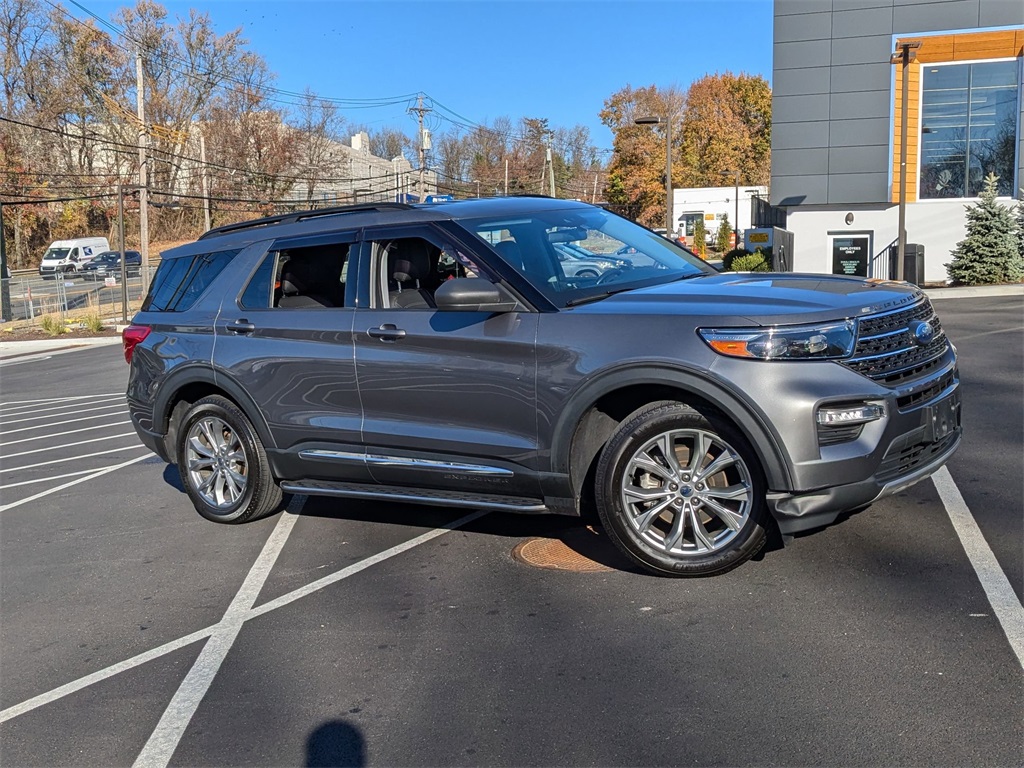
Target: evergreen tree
x=1020 y=225
x=991 y=251
x=700 y=238
x=722 y=238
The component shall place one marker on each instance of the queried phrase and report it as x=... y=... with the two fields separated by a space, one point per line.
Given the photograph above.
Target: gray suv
x=442 y=354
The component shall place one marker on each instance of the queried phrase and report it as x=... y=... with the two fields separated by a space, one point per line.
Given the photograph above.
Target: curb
x=974 y=291
x=12 y=349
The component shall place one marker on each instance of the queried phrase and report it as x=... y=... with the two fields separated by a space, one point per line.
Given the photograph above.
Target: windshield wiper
x=595 y=297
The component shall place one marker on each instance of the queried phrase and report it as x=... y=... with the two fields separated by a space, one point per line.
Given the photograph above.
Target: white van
x=64 y=256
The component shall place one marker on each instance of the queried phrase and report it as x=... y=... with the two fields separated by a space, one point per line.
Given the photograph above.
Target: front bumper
x=803 y=511
x=913 y=445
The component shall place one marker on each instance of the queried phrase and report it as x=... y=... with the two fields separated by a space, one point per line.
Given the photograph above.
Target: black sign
x=850 y=256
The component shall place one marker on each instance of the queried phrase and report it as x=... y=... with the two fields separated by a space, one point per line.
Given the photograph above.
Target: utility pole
x=506 y=177
x=143 y=188
x=551 y=173
x=6 y=313
x=593 y=197
x=206 y=182
x=120 y=231
x=420 y=111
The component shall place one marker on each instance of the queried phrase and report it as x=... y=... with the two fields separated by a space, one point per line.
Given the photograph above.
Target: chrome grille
x=886 y=350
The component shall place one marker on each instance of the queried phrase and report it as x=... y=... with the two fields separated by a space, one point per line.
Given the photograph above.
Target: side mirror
x=474 y=294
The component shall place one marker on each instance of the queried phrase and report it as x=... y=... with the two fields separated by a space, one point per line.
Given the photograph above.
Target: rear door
x=286 y=340
x=449 y=398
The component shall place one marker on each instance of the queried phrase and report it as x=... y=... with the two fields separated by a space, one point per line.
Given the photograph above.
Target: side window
x=408 y=270
x=310 y=278
x=179 y=283
x=259 y=293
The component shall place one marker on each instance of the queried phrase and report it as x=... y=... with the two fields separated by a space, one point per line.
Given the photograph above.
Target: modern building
x=837 y=123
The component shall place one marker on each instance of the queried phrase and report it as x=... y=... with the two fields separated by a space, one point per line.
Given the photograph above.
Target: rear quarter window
x=179 y=283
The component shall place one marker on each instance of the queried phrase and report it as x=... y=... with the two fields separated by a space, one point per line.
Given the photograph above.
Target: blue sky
x=485 y=58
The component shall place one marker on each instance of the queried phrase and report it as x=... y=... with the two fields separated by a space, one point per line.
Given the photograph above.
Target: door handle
x=387 y=332
x=241 y=326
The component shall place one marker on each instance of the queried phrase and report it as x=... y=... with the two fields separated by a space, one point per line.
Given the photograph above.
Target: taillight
x=130 y=336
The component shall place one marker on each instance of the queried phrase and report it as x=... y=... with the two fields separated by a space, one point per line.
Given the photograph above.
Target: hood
x=763 y=298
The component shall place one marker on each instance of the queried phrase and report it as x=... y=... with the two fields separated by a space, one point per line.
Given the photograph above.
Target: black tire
x=211 y=474
x=587 y=273
x=648 y=502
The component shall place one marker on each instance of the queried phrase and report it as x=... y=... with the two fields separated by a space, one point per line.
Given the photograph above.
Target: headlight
x=792 y=342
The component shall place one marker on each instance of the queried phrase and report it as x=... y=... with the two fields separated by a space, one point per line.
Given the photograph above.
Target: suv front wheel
x=223 y=465
x=680 y=495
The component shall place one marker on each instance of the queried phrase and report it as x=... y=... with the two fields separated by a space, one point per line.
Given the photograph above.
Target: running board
x=415 y=495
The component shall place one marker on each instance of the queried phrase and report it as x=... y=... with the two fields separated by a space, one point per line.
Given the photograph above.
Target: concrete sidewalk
x=12 y=349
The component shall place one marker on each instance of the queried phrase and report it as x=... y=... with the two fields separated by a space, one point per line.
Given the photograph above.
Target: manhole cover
x=564 y=554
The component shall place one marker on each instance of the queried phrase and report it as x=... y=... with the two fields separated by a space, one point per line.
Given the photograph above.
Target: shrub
x=751 y=262
x=94 y=323
x=732 y=255
x=990 y=253
x=52 y=325
x=700 y=238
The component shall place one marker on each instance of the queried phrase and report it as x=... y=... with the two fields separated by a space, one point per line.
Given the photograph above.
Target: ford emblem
x=923 y=333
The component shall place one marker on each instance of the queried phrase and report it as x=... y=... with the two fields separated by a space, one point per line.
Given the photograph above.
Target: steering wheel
x=607 y=276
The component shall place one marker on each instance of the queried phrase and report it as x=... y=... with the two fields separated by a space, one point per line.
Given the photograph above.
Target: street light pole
x=667 y=122
x=904 y=55
x=736 y=200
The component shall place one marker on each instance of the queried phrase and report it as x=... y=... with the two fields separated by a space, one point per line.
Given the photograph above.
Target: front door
x=449 y=398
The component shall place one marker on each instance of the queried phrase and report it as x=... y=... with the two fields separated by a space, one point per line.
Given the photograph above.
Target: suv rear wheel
x=680 y=495
x=223 y=465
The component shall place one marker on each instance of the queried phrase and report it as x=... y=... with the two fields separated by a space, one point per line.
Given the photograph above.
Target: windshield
x=572 y=254
x=56 y=253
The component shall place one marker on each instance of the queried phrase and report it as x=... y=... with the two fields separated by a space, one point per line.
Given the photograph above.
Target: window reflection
x=968 y=128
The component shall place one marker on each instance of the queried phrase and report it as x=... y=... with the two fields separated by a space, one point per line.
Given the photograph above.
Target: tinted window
x=258 y=293
x=178 y=283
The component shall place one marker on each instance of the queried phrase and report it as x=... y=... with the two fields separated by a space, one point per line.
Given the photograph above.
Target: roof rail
x=291 y=218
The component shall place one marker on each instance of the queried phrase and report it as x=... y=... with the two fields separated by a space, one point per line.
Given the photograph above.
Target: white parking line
x=61 y=434
x=69 y=458
x=118 y=402
x=50 y=478
x=69 y=445
x=1000 y=594
x=13 y=404
x=58 y=423
x=98 y=473
x=123 y=666
x=175 y=719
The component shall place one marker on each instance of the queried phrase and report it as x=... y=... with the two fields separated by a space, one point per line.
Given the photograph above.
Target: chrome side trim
x=444 y=466
x=336 y=455
x=399 y=461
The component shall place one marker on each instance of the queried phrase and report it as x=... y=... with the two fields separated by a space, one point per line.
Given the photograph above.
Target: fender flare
x=748 y=419
x=186 y=376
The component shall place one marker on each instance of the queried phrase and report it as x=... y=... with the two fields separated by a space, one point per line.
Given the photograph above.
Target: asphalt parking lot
x=135 y=632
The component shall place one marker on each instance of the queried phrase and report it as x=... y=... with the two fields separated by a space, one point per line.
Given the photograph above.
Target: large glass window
x=968 y=127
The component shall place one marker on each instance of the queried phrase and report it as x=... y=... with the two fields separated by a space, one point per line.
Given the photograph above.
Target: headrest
x=510 y=252
x=410 y=260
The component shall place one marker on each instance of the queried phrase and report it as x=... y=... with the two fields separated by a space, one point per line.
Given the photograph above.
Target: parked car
x=108 y=264
x=579 y=262
x=439 y=354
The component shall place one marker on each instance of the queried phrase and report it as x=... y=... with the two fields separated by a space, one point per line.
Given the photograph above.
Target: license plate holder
x=943 y=418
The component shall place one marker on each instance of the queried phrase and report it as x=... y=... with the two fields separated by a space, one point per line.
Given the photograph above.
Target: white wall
x=716 y=200
x=936 y=224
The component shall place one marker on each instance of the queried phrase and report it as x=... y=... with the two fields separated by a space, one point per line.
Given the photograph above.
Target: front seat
x=408 y=265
